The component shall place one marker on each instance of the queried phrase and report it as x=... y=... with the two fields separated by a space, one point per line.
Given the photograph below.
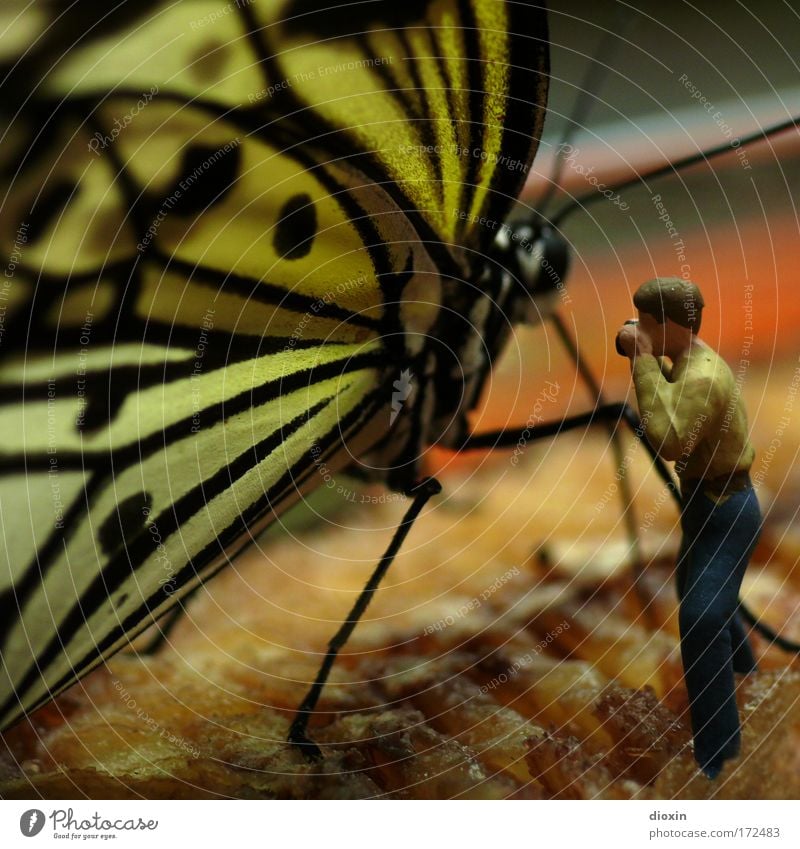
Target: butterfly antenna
x=590 y=86
x=672 y=167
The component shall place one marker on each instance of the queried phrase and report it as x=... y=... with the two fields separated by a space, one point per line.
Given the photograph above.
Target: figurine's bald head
x=671 y=298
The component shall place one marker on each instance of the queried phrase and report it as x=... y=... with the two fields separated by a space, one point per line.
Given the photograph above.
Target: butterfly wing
x=446 y=111
x=205 y=296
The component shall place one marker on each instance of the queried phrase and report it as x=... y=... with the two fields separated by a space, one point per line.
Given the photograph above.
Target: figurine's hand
x=633 y=341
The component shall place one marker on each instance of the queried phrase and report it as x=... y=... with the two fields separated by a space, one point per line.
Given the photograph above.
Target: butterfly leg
x=164 y=627
x=298 y=735
x=626 y=495
x=610 y=414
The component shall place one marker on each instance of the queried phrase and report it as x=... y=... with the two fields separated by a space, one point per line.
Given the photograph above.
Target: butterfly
x=247 y=245
x=246 y=249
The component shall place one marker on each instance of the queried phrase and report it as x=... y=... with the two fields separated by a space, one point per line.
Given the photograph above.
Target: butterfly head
x=537 y=258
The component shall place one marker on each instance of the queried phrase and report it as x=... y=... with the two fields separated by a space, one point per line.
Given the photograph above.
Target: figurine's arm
x=675 y=414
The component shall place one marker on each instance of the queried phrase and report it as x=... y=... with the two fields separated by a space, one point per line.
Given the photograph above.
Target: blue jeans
x=718 y=540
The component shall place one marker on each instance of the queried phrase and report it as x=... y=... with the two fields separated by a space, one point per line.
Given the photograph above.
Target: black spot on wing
x=124 y=523
x=296 y=227
x=207 y=175
x=208 y=64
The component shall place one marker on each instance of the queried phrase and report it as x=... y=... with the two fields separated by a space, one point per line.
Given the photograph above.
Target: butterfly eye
x=538 y=258
x=552 y=255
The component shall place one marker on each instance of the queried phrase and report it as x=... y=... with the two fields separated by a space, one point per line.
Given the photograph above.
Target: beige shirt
x=693 y=413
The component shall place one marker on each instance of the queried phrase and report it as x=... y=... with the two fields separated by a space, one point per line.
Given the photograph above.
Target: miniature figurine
x=693 y=414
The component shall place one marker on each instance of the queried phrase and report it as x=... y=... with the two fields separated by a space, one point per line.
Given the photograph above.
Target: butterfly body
x=221 y=297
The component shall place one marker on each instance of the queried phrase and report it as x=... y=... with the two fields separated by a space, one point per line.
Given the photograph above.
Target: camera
x=616 y=340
